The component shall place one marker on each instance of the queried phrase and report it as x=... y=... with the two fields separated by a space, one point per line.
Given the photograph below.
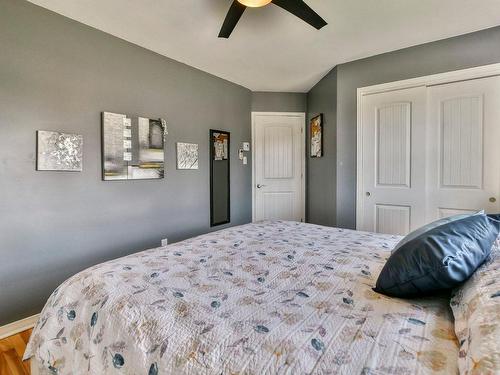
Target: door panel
x=461 y=147
x=393 y=129
x=278 y=152
x=446 y=212
x=464 y=158
x=278 y=205
x=393 y=168
x=392 y=219
x=278 y=169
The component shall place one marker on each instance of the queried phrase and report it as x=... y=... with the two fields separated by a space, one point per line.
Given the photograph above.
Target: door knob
x=368 y=194
x=493 y=199
x=260 y=186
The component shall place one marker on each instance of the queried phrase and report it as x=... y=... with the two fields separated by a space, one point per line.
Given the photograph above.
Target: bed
x=263 y=298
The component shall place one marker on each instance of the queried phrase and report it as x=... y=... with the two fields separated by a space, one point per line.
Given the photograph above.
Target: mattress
x=263 y=298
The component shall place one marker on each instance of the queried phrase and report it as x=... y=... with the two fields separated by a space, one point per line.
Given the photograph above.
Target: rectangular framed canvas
x=220 y=141
x=132 y=148
x=187 y=155
x=316 y=136
x=58 y=151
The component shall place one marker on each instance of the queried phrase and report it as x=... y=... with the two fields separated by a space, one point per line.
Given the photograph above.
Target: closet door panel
x=464 y=143
x=394 y=161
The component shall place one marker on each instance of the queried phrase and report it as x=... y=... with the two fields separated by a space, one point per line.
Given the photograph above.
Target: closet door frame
x=425 y=81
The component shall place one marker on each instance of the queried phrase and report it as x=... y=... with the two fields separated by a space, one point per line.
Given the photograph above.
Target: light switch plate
x=245 y=160
x=246 y=146
x=164 y=242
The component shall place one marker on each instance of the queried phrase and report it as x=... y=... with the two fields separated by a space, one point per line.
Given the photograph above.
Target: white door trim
x=302 y=116
x=430 y=80
x=18 y=326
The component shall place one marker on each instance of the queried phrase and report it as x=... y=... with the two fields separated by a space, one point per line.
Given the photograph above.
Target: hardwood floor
x=11 y=354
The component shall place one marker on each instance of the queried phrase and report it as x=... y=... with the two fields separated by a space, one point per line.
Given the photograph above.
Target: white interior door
x=393 y=167
x=278 y=166
x=464 y=154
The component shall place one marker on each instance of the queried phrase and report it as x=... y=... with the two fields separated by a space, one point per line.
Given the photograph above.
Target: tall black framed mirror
x=220 y=202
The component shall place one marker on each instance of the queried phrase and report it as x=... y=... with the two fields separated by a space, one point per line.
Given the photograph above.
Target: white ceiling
x=270 y=49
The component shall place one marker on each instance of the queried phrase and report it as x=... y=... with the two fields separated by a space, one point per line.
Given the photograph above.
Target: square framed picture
x=316 y=136
x=58 y=151
x=132 y=147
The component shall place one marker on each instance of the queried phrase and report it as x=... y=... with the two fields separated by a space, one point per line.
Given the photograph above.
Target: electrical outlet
x=246 y=146
x=164 y=242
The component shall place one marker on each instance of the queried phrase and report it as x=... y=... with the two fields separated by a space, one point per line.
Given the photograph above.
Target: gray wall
x=57 y=74
x=321 y=172
x=279 y=102
x=475 y=49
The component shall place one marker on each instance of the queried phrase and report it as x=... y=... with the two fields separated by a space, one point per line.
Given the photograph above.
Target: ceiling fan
x=297 y=7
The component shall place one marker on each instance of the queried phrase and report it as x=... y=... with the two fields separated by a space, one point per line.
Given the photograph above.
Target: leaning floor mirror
x=220 y=208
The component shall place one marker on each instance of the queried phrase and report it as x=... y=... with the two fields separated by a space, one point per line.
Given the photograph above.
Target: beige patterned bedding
x=264 y=298
x=476 y=307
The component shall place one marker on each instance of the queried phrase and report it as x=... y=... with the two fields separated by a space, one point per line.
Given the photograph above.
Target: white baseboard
x=18 y=326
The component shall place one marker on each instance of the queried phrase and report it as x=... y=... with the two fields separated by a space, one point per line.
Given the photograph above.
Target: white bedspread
x=265 y=298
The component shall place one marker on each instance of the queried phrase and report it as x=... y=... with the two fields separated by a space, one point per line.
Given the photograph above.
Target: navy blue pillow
x=429 y=226
x=440 y=258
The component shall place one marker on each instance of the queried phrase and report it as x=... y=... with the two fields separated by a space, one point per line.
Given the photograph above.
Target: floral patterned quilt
x=263 y=298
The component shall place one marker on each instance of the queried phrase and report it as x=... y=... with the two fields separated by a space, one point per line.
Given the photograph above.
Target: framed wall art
x=316 y=136
x=58 y=151
x=132 y=147
x=187 y=155
x=220 y=141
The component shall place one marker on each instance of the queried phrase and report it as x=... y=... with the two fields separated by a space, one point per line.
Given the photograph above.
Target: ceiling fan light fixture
x=254 y=3
x=296 y=7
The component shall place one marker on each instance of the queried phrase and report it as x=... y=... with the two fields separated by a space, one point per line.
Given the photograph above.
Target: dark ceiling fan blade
x=303 y=11
x=232 y=18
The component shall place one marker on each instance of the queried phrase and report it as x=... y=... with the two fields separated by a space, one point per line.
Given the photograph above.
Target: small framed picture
x=220 y=145
x=316 y=135
x=187 y=155
x=58 y=151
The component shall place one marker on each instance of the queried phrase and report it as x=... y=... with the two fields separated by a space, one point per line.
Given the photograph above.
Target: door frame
x=301 y=116
x=429 y=80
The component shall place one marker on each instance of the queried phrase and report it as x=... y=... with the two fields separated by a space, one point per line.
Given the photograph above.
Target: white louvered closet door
x=464 y=153
x=393 y=161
